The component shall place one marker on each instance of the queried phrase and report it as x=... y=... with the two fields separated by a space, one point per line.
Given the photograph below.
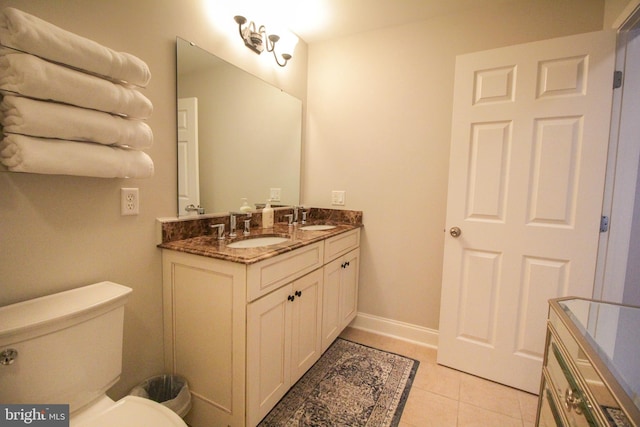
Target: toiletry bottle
x=267 y=215
x=245 y=206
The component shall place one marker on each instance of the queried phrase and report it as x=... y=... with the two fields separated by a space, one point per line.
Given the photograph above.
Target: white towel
x=52 y=120
x=21 y=153
x=30 y=34
x=36 y=78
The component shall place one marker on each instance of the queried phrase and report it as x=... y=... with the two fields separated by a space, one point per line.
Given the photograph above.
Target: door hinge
x=617 y=79
x=604 y=224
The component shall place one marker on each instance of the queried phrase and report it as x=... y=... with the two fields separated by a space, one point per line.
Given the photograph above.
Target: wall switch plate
x=129 y=201
x=274 y=194
x=337 y=197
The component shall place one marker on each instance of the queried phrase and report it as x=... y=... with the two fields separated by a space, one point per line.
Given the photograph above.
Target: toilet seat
x=131 y=411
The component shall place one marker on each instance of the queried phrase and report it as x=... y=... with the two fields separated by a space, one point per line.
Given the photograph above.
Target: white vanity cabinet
x=340 y=293
x=205 y=335
x=243 y=334
x=283 y=341
x=340 y=296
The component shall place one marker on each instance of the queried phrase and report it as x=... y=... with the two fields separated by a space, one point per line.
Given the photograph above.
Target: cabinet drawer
x=270 y=274
x=341 y=244
x=549 y=415
x=576 y=405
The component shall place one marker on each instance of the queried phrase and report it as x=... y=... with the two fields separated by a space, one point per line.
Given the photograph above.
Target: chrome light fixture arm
x=253 y=39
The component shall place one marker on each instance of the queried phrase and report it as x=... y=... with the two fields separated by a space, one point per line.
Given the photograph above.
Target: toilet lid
x=133 y=411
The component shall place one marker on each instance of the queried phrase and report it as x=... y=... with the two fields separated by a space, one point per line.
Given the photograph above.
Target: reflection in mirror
x=238 y=137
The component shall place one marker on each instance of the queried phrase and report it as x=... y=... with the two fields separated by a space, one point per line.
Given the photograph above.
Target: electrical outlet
x=337 y=197
x=274 y=194
x=129 y=201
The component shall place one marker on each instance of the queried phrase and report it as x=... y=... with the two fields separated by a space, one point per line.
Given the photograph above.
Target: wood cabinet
x=243 y=334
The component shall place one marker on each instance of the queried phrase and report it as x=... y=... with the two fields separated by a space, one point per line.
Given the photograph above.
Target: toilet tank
x=69 y=346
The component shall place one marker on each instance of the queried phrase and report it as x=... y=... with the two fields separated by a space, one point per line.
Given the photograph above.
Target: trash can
x=171 y=391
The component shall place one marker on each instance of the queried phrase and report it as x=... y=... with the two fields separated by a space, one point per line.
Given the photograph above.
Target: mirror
x=238 y=136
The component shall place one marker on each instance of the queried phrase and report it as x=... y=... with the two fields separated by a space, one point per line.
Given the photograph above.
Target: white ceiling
x=317 y=20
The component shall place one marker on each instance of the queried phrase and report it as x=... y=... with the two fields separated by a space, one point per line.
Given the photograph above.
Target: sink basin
x=257 y=242
x=318 y=227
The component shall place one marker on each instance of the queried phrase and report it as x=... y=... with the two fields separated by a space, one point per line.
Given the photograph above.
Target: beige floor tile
x=404 y=348
x=414 y=351
x=489 y=395
x=528 y=406
x=426 y=409
x=444 y=397
x=473 y=416
x=365 y=338
x=438 y=379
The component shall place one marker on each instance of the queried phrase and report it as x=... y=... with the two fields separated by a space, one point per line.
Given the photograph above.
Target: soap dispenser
x=267 y=215
x=245 y=206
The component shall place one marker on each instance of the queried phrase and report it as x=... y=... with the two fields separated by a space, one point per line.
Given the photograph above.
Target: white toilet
x=66 y=348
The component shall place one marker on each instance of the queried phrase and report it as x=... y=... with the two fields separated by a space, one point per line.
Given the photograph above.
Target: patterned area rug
x=351 y=385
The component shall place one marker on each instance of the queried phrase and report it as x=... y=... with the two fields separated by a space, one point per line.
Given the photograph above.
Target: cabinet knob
x=298 y=293
x=291 y=297
x=572 y=400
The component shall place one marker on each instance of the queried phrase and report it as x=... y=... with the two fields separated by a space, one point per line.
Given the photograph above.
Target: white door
x=188 y=182
x=528 y=155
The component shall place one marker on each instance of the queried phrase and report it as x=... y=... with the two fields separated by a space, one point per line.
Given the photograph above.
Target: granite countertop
x=210 y=246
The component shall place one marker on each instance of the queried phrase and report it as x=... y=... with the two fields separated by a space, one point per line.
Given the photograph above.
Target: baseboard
x=395 y=329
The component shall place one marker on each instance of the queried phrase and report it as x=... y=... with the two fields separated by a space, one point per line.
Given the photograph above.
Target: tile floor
x=444 y=397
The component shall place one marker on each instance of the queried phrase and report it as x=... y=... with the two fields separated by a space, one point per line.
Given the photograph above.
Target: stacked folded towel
x=70 y=105
x=28 y=33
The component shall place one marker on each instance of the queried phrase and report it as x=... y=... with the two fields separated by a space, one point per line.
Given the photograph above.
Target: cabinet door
x=268 y=352
x=306 y=338
x=340 y=295
x=331 y=302
x=349 y=288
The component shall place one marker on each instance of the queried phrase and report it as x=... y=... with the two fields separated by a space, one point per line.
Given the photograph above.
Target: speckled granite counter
x=194 y=235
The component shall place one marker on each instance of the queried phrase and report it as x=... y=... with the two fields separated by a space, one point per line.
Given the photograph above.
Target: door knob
x=455 y=232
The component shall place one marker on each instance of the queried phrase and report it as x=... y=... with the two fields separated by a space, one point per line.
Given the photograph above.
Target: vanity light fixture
x=258 y=40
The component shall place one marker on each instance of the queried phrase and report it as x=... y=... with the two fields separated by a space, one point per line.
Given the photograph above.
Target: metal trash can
x=171 y=391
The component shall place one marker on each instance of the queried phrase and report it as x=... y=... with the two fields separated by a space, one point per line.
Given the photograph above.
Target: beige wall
x=60 y=232
x=378 y=126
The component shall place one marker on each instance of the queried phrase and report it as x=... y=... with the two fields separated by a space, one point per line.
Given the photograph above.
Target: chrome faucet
x=290 y=219
x=232 y=225
x=296 y=210
x=193 y=208
x=304 y=217
x=220 y=228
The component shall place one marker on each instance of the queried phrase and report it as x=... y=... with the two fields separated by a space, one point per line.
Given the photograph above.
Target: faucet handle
x=290 y=218
x=220 y=228
x=232 y=224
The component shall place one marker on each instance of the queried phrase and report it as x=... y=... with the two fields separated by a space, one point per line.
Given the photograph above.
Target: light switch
x=274 y=194
x=337 y=197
